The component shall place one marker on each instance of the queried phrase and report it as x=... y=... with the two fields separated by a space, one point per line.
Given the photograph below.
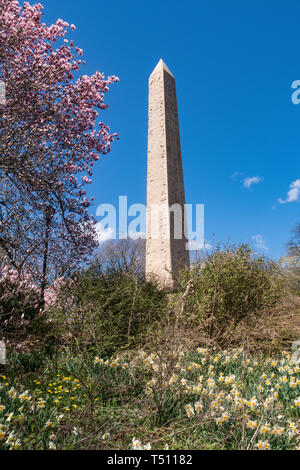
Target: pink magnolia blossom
x=51 y=131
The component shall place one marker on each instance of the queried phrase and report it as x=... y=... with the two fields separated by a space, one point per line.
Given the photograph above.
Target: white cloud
x=248 y=182
x=293 y=194
x=236 y=175
x=103 y=234
x=260 y=243
x=194 y=245
x=137 y=235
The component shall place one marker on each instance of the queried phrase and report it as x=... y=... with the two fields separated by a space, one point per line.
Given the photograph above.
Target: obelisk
x=166 y=246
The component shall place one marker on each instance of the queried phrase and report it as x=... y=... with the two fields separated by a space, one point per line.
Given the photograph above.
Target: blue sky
x=234 y=63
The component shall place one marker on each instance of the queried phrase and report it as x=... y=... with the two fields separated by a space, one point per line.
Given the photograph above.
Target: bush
x=104 y=312
x=19 y=300
x=229 y=285
x=21 y=312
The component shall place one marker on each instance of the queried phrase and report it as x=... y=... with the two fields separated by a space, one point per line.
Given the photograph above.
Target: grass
x=203 y=368
x=199 y=399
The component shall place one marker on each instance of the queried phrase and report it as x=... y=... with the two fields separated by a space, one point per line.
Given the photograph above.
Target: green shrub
x=19 y=303
x=105 y=312
x=229 y=285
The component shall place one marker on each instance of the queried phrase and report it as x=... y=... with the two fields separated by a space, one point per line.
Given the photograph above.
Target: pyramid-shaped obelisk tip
x=162 y=66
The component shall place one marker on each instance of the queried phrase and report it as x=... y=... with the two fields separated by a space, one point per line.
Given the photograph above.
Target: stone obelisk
x=166 y=247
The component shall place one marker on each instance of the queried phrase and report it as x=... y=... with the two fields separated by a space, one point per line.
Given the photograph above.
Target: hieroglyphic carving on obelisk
x=166 y=251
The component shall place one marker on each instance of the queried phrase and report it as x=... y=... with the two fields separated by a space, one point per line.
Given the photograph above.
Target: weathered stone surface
x=165 y=185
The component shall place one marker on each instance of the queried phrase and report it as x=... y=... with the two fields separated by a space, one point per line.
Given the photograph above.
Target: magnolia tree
x=51 y=135
x=20 y=298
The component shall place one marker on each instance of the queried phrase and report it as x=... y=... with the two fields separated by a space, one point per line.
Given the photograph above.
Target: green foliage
x=105 y=312
x=87 y=386
x=199 y=399
x=229 y=285
x=27 y=362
